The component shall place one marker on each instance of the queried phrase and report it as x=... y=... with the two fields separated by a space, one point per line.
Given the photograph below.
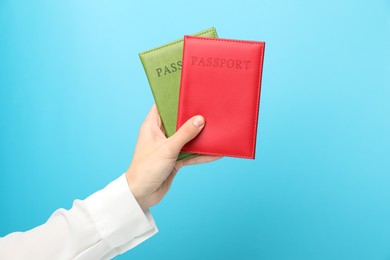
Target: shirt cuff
x=119 y=219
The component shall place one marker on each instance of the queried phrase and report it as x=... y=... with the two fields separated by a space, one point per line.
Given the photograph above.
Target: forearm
x=105 y=224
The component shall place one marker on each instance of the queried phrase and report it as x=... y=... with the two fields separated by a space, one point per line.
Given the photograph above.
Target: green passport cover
x=162 y=66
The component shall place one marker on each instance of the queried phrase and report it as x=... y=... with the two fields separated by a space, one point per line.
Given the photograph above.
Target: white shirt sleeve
x=107 y=223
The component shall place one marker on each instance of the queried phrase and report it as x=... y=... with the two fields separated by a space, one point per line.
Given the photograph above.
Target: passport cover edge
x=260 y=76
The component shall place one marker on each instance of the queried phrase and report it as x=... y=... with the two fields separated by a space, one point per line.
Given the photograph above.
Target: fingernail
x=198 y=121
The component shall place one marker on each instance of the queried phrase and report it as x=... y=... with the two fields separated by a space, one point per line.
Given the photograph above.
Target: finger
x=152 y=126
x=199 y=159
x=186 y=133
x=153 y=116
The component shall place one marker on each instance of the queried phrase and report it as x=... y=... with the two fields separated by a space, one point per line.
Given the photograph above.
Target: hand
x=154 y=164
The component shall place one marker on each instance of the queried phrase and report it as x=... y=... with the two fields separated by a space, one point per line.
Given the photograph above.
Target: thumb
x=188 y=131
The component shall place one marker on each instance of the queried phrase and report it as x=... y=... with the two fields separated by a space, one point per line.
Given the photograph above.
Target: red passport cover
x=221 y=80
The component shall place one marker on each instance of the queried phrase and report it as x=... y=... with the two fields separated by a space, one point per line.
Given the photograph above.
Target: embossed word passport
x=163 y=66
x=221 y=80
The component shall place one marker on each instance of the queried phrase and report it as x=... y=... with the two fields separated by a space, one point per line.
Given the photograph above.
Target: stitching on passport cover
x=257 y=97
x=179 y=41
x=214 y=153
x=225 y=40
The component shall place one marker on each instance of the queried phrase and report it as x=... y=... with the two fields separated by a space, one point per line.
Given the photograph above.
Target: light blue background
x=73 y=95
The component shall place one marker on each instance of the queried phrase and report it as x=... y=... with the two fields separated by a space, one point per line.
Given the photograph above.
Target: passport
x=163 y=67
x=221 y=80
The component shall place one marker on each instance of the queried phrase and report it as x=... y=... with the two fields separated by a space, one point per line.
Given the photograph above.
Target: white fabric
x=107 y=223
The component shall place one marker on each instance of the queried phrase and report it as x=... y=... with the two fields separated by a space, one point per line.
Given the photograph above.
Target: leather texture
x=221 y=80
x=162 y=66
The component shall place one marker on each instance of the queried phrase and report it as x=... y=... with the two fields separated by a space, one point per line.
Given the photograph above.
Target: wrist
x=135 y=189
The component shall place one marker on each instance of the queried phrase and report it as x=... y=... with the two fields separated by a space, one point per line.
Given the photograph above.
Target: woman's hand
x=154 y=164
